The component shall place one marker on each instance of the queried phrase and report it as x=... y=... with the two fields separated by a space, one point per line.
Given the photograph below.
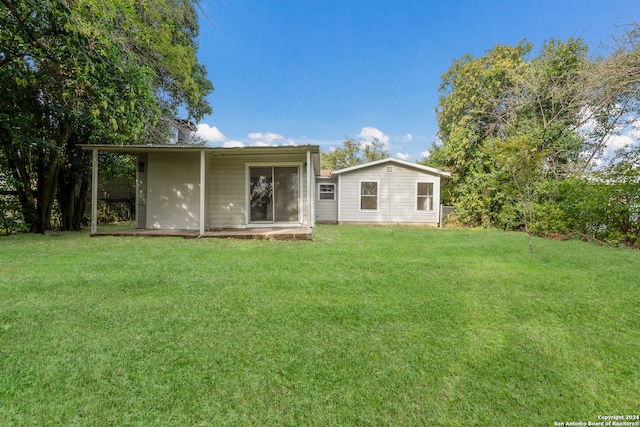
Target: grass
x=364 y=326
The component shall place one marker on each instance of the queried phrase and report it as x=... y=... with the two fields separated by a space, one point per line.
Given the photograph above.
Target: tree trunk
x=526 y=223
x=47 y=183
x=48 y=168
x=73 y=187
x=18 y=166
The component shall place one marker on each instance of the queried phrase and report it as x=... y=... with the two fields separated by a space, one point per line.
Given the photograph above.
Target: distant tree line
x=527 y=139
x=88 y=71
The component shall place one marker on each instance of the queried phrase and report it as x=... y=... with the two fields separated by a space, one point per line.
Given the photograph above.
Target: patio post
x=94 y=191
x=202 y=190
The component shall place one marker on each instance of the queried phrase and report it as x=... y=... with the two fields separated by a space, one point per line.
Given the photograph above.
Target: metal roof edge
x=178 y=147
x=392 y=160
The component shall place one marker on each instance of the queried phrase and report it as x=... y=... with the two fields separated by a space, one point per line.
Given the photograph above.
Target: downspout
x=94 y=191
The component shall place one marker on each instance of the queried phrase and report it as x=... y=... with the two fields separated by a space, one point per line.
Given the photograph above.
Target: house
x=388 y=191
x=199 y=188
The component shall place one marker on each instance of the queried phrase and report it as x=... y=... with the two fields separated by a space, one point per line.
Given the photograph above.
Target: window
x=326 y=192
x=369 y=195
x=425 y=196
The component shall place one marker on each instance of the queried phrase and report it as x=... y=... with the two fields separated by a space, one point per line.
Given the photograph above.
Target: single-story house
x=194 y=187
x=388 y=191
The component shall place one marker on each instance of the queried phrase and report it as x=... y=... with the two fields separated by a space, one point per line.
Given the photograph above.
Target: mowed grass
x=363 y=326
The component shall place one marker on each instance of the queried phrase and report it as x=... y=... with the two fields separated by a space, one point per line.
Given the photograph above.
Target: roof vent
x=389 y=169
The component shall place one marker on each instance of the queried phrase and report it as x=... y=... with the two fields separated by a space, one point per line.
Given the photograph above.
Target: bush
x=11 y=215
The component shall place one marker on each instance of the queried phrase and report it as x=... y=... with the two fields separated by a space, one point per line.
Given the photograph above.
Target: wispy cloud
x=403 y=156
x=370 y=134
x=265 y=137
x=617 y=142
x=425 y=154
x=407 y=138
x=210 y=133
x=233 y=144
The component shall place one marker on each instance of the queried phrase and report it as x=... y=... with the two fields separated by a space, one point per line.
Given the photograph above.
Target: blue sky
x=312 y=72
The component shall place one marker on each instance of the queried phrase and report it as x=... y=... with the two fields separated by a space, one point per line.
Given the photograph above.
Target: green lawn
x=364 y=326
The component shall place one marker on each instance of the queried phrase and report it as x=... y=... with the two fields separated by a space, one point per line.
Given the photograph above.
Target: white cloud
x=403 y=156
x=425 y=154
x=210 y=133
x=262 y=144
x=617 y=142
x=595 y=162
x=407 y=138
x=266 y=137
x=369 y=134
x=290 y=142
x=233 y=144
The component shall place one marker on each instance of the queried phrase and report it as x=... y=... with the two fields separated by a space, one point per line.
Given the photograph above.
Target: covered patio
x=198 y=191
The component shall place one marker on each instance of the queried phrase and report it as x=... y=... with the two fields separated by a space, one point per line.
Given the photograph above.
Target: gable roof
x=423 y=168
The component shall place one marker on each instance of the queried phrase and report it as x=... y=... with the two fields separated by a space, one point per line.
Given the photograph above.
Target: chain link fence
x=445 y=212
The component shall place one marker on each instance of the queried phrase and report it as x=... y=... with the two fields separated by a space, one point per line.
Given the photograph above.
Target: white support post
x=339 y=189
x=309 y=201
x=94 y=191
x=202 y=191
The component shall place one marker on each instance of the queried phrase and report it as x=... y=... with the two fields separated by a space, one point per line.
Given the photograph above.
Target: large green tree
x=522 y=134
x=353 y=153
x=82 y=71
x=467 y=119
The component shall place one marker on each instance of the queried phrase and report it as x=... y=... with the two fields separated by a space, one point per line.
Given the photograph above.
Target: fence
x=445 y=211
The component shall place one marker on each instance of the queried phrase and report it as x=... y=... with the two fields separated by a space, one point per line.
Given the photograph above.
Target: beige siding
x=326 y=210
x=173 y=191
x=227 y=187
x=397 y=195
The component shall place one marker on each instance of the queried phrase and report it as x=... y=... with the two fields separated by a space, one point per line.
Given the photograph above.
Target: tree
x=82 y=71
x=466 y=117
x=521 y=135
x=353 y=153
x=521 y=159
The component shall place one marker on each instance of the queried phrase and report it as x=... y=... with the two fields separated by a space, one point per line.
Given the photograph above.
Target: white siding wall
x=397 y=195
x=326 y=210
x=227 y=187
x=173 y=191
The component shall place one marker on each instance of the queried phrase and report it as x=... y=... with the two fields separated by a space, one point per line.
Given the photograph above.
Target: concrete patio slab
x=299 y=233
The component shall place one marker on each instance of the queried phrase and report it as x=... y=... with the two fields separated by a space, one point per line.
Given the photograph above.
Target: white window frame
x=247 y=202
x=377 y=195
x=432 y=197
x=320 y=192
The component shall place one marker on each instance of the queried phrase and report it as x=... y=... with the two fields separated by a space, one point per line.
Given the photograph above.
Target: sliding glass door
x=274 y=194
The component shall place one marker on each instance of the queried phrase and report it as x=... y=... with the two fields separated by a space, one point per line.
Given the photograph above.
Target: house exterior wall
x=173 y=191
x=326 y=210
x=228 y=187
x=397 y=195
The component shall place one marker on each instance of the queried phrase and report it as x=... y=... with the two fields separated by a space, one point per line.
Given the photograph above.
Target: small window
x=327 y=192
x=425 y=196
x=369 y=195
x=389 y=169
